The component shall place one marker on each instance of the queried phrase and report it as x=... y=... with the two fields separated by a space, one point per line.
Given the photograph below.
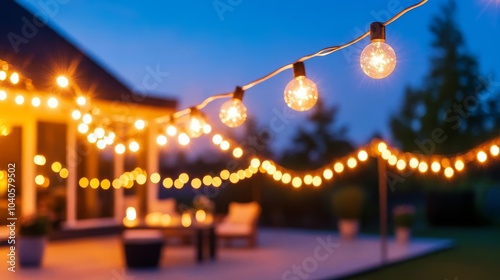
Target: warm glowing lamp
x=196 y=123
x=378 y=59
x=62 y=81
x=301 y=94
x=233 y=113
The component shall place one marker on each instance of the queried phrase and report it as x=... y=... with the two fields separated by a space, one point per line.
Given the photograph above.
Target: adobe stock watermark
x=323 y=251
x=47 y=9
x=454 y=116
x=222 y=7
x=393 y=7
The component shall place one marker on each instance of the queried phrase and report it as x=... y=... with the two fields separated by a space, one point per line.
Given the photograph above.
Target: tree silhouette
x=455 y=108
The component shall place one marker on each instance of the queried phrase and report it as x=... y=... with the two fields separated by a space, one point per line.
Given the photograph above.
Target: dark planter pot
x=31 y=250
x=142 y=248
x=452 y=209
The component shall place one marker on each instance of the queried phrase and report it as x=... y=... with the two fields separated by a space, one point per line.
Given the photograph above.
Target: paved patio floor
x=282 y=254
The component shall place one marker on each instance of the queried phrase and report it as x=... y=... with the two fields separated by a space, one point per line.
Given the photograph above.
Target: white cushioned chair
x=240 y=223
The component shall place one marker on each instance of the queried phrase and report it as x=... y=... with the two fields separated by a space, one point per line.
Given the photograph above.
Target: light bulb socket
x=377 y=32
x=194 y=111
x=299 y=69
x=238 y=93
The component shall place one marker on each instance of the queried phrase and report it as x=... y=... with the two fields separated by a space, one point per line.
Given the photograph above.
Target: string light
x=183 y=139
x=83 y=128
x=76 y=115
x=52 y=102
x=87 y=119
x=378 y=59
x=423 y=167
x=120 y=149
x=140 y=124
x=196 y=123
x=81 y=100
x=233 y=113
x=449 y=172
x=362 y=155
x=413 y=163
x=301 y=94
x=62 y=81
x=171 y=130
x=435 y=166
x=133 y=146
x=19 y=100
x=459 y=165
x=482 y=157
x=35 y=101
x=494 y=150
x=161 y=140
x=3 y=95
x=14 y=78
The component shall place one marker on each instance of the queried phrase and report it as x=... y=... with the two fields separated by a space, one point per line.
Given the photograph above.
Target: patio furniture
x=203 y=235
x=142 y=247
x=240 y=223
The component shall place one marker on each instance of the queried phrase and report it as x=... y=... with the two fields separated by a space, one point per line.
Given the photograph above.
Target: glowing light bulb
x=301 y=94
x=133 y=146
x=19 y=100
x=3 y=75
x=35 y=102
x=382 y=147
x=423 y=167
x=435 y=166
x=413 y=163
x=494 y=150
x=101 y=144
x=207 y=128
x=52 y=102
x=120 y=149
x=217 y=139
x=482 y=157
x=140 y=124
x=171 y=130
x=351 y=162
x=81 y=100
x=161 y=140
x=196 y=123
x=62 y=81
x=362 y=155
x=99 y=132
x=92 y=138
x=3 y=95
x=14 y=78
x=328 y=174
x=233 y=113
x=448 y=172
x=401 y=165
x=83 y=128
x=183 y=139
x=87 y=119
x=459 y=165
x=378 y=60
x=76 y=114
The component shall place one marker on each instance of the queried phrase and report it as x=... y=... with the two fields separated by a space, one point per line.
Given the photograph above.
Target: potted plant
x=403 y=220
x=33 y=233
x=348 y=207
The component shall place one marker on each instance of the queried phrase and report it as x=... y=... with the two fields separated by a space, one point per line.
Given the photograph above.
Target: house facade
x=56 y=165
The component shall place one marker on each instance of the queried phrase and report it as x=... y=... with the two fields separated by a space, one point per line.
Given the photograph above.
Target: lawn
x=476 y=256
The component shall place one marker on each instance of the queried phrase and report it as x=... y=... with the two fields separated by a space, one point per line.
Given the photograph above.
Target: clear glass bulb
x=233 y=113
x=301 y=94
x=195 y=125
x=378 y=60
x=171 y=130
x=183 y=139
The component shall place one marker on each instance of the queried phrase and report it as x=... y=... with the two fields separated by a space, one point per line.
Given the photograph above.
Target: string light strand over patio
x=399 y=161
x=378 y=60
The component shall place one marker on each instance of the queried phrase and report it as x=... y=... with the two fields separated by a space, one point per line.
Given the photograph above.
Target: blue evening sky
x=206 y=52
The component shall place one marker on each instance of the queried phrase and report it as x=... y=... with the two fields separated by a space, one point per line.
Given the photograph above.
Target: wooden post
x=382 y=190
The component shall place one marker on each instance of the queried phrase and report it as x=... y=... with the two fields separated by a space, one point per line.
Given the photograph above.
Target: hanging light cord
x=323 y=52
